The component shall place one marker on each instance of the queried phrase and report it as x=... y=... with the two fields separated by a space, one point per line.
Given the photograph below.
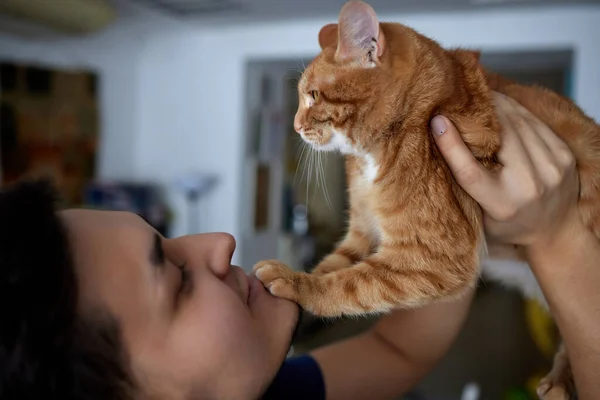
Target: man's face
x=194 y=326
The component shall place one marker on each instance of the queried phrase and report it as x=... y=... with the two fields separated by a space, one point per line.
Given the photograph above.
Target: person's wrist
x=556 y=240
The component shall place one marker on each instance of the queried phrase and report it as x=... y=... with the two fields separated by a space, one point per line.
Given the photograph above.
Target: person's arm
x=568 y=270
x=533 y=202
x=395 y=354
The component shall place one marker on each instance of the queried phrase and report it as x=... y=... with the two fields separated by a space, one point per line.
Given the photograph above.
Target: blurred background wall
x=172 y=86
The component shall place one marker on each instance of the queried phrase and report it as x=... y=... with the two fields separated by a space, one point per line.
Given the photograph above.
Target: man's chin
x=292 y=337
x=292 y=334
x=299 y=320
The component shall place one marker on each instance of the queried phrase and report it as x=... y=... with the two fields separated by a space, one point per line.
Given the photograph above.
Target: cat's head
x=348 y=90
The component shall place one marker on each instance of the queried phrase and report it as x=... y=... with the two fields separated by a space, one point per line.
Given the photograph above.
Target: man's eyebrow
x=157 y=255
x=145 y=219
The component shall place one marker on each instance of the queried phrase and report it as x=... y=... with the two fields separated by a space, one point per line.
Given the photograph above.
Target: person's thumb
x=465 y=168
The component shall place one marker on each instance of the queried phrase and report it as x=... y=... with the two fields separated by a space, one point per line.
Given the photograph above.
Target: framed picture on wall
x=49 y=126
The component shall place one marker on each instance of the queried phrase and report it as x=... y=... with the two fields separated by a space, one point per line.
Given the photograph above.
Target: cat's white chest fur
x=370 y=168
x=364 y=187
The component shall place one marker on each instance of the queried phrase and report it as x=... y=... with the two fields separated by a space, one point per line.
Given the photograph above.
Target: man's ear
x=359 y=34
x=328 y=35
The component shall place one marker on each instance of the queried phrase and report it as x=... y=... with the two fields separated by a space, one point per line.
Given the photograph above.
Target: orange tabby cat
x=414 y=235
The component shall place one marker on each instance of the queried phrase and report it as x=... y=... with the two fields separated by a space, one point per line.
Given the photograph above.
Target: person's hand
x=534 y=194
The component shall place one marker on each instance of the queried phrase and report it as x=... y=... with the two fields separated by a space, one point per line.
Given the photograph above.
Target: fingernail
x=438 y=125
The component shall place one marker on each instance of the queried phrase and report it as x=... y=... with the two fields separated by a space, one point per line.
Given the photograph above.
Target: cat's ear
x=359 y=35
x=328 y=35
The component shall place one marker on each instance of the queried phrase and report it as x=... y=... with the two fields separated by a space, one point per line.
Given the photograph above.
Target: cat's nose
x=297 y=124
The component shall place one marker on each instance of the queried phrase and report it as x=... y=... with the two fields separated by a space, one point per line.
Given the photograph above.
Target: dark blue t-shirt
x=299 y=378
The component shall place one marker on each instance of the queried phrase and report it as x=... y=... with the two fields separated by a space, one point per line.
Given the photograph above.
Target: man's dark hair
x=49 y=350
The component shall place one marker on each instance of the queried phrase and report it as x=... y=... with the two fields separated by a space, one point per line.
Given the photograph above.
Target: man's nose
x=214 y=250
x=222 y=248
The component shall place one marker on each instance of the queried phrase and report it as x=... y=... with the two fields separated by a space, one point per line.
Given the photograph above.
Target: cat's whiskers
x=310 y=171
x=323 y=181
x=299 y=71
x=307 y=168
x=309 y=161
x=294 y=78
x=317 y=174
x=301 y=151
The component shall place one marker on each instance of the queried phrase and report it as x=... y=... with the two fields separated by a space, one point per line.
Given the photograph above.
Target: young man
x=98 y=305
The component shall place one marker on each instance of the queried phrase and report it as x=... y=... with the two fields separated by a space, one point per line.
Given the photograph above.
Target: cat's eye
x=314 y=94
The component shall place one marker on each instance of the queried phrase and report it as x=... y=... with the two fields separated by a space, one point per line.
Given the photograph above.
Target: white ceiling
x=236 y=12
x=210 y=11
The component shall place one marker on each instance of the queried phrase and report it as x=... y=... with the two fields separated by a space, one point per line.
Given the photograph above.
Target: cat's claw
x=558 y=384
x=549 y=390
x=278 y=278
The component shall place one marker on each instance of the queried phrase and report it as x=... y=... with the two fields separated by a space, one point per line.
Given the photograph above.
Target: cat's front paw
x=278 y=278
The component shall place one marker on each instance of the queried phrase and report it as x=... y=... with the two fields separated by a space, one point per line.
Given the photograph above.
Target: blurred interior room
x=182 y=110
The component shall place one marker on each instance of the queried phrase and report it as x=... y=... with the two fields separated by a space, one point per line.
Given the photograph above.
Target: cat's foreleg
x=377 y=284
x=354 y=248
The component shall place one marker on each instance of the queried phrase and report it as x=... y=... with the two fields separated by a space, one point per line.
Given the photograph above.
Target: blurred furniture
x=144 y=199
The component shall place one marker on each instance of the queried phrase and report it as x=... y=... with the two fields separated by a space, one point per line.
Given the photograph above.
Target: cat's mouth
x=314 y=139
x=331 y=141
x=319 y=142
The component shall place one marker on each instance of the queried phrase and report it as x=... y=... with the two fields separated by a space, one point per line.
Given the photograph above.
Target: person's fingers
x=511 y=145
x=522 y=122
x=549 y=154
x=555 y=144
x=520 y=172
x=525 y=154
x=465 y=168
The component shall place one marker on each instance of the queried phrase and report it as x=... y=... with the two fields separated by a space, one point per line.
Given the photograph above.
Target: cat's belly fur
x=514 y=274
